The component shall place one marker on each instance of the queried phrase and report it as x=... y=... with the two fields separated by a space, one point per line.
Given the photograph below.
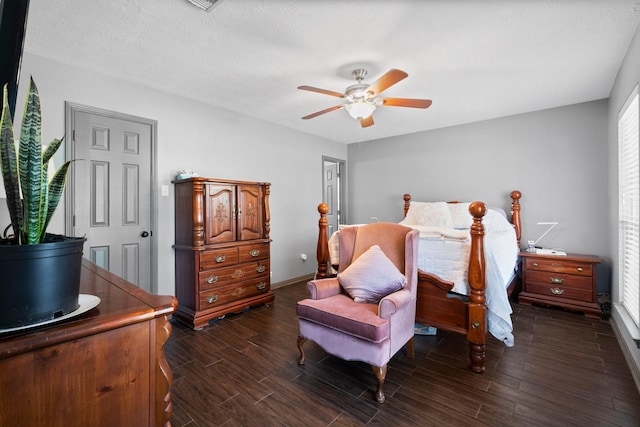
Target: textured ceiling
x=475 y=59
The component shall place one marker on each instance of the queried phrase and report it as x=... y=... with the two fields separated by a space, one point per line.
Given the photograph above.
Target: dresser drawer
x=223 y=276
x=254 y=252
x=559 y=266
x=231 y=293
x=218 y=258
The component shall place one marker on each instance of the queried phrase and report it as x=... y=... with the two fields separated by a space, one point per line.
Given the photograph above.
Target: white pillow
x=496 y=221
x=435 y=214
x=460 y=216
x=412 y=214
x=371 y=277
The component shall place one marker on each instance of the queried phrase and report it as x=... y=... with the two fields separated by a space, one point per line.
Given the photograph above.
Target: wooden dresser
x=105 y=367
x=221 y=248
x=562 y=281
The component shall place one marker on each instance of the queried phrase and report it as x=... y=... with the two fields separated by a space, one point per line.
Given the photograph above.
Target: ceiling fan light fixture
x=203 y=4
x=360 y=110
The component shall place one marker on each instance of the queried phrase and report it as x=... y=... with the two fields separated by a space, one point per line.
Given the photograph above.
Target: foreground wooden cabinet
x=105 y=367
x=222 y=247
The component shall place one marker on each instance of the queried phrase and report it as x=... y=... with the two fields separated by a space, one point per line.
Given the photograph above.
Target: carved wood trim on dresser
x=222 y=247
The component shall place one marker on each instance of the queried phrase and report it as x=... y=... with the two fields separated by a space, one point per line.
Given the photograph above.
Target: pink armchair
x=366 y=332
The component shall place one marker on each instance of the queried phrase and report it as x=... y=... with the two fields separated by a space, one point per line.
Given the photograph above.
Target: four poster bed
x=467 y=267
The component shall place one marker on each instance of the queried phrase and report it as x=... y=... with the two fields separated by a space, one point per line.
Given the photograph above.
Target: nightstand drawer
x=558 y=279
x=560 y=291
x=559 y=266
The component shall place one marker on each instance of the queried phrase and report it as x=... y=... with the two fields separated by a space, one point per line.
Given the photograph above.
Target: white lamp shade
x=360 y=110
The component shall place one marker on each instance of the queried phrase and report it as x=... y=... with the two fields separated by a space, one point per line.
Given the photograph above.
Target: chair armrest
x=323 y=288
x=392 y=303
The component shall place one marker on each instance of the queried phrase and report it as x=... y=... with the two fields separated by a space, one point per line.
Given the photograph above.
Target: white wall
x=214 y=142
x=627 y=78
x=556 y=158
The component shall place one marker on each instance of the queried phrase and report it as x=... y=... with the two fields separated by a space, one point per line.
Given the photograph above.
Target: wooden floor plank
x=564 y=369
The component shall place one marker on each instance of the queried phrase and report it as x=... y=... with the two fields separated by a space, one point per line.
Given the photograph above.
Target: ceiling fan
x=362 y=99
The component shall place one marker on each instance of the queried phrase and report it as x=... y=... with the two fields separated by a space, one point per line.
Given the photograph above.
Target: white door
x=112 y=191
x=332 y=192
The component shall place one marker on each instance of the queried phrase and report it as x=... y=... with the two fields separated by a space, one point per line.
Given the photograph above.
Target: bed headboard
x=515 y=210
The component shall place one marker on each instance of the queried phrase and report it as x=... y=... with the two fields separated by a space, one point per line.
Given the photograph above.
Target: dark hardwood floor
x=564 y=369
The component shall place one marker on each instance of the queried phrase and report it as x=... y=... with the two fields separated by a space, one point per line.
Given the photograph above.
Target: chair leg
x=301 y=341
x=411 y=348
x=380 y=373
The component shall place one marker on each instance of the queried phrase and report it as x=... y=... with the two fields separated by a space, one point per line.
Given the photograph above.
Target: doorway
x=333 y=191
x=110 y=195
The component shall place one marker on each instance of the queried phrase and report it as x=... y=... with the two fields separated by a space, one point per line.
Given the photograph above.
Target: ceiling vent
x=203 y=4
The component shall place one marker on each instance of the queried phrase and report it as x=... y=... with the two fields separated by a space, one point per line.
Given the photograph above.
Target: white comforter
x=444 y=251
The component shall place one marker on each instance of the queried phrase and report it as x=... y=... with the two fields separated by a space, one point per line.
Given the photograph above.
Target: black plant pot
x=39 y=282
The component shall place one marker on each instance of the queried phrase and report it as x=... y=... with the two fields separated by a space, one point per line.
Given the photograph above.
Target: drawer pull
x=557 y=291
x=261 y=285
x=212 y=279
x=475 y=324
x=557 y=280
x=580 y=269
x=254 y=252
x=221 y=258
x=261 y=268
x=211 y=299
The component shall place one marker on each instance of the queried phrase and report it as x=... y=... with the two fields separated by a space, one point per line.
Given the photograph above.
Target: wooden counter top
x=103 y=367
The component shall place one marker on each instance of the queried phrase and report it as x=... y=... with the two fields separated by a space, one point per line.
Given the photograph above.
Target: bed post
x=407 y=202
x=477 y=329
x=322 y=251
x=515 y=213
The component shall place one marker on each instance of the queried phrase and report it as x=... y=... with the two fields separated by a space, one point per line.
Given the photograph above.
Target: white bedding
x=444 y=251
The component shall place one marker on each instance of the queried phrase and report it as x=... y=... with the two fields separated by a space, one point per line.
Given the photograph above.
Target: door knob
x=144 y=234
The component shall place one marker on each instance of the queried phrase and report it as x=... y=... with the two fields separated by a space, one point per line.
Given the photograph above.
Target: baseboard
x=292 y=281
x=627 y=344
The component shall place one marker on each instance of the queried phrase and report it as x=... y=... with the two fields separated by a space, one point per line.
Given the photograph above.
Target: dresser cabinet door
x=219 y=217
x=249 y=212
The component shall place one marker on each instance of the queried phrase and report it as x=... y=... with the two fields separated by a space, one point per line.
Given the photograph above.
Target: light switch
x=165 y=190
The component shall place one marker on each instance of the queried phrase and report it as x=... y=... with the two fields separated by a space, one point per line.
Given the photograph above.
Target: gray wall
x=212 y=141
x=557 y=158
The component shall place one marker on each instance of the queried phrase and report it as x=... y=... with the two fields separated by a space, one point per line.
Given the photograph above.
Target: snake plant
x=31 y=198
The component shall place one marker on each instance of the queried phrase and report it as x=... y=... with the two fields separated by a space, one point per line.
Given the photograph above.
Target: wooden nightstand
x=562 y=281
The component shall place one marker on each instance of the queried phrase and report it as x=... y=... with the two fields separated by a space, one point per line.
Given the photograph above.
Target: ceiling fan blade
x=366 y=122
x=328 y=110
x=392 y=77
x=323 y=91
x=406 y=102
